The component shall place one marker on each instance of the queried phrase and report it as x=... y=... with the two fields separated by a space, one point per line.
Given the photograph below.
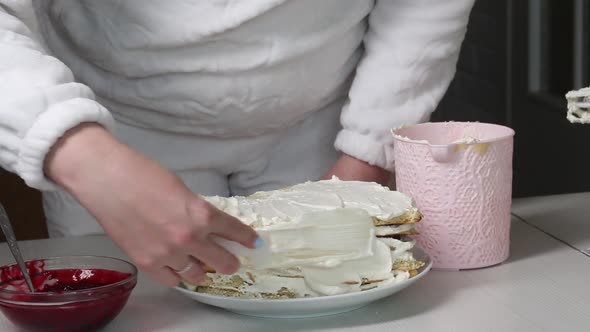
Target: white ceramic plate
x=312 y=306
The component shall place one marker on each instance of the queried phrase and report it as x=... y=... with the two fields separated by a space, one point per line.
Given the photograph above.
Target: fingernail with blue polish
x=259 y=242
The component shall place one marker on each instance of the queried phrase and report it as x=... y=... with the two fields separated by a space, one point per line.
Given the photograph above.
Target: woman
x=123 y=112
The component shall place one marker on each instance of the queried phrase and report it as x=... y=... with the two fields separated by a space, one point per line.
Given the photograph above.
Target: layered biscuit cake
x=394 y=215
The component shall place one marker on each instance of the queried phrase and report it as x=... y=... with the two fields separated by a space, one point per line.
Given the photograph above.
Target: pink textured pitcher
x=460 y=176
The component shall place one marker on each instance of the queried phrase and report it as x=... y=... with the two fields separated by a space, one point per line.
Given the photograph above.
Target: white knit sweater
x=220 y=68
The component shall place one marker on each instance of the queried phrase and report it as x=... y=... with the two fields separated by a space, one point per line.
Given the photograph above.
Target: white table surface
x=567 y=217
x=545 y=286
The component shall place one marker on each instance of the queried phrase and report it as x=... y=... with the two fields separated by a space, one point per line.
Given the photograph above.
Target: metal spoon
x=13 y=245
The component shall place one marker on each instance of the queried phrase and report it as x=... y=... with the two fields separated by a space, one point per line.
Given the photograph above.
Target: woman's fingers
x=188 y=268
x=222 y=224
x=216 y=257
x=164 y=275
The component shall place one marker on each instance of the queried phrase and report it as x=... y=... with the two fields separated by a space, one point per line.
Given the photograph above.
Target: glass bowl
x=72 y=293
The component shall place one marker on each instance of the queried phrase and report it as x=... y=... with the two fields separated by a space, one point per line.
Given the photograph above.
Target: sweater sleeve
x=411 y=52
x=39 y=99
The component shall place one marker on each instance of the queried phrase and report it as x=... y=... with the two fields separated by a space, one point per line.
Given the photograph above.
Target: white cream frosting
x=398 y=247
x=319 y=238
x=271 y=207
x=392 y=230
x=349 y=275
x=268 y=210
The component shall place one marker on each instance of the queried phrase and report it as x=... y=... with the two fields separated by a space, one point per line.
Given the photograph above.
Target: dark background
x=506 y=42
x=518 y=60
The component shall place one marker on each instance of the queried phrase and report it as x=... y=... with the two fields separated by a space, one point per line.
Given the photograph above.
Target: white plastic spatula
x=316 y=238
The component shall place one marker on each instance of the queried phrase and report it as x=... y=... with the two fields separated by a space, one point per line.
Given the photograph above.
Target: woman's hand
x=349 y=168
x=157 y=221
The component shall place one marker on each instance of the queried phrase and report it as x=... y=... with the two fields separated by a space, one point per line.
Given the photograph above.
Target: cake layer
x=267 y=208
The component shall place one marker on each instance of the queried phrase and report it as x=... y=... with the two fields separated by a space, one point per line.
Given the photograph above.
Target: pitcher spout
x=443 y=153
